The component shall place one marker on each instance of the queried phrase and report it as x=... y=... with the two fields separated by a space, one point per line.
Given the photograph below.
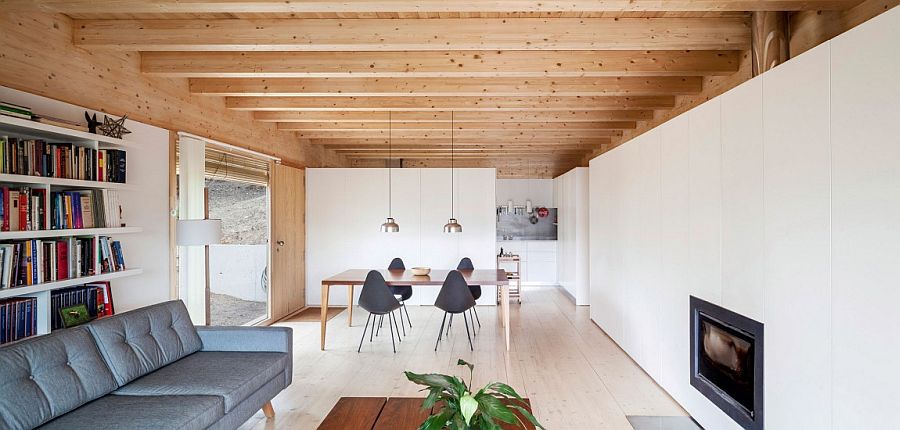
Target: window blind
x=222 y=163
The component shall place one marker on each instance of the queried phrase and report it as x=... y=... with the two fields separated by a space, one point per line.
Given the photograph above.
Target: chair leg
x=400 y=311
x=468 y=335
x=450 y=325
x=372 y=330
x=364 y=332
x=394 y=317
x=394 y=345
x=408 y=320
x=380 y=323
x=440 y=332
x=472 y=320
x=476 y=316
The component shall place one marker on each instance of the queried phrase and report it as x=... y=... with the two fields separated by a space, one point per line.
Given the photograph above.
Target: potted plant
x=462 y=409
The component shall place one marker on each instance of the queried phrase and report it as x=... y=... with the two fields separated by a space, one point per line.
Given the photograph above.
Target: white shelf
x=38 y=234
x=52 y=133
x=48 y=286
x=60 y=182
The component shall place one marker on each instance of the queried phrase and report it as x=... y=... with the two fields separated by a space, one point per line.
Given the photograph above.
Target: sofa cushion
x=143 y=413
x=234 y=376
x=138 y=342
x=50 y=375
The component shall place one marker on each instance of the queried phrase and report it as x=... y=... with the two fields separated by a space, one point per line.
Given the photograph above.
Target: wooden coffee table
x=381 y=413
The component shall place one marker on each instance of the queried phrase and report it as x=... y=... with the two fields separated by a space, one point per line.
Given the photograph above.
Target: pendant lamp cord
x=451 y=163
x=390 y=164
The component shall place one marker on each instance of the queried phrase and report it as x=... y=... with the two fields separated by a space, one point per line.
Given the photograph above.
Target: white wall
x=539 y=191
x=236 y=270
x=345 y=209
x=573 y=266
x=780 y=200
x=145 y=204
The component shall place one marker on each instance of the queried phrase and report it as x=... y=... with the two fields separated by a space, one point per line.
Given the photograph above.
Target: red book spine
x=23 y=211
x=62 y=257
x=5 y=226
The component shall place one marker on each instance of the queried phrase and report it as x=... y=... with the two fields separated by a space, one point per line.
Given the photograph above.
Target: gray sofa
x=145 y=369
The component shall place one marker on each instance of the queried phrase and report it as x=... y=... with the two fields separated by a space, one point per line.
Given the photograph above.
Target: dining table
x=353 y=277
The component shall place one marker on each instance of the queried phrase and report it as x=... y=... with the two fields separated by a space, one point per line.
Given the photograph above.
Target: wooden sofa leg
x=268 y=410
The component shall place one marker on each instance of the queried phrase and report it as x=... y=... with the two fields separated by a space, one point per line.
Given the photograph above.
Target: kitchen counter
x=538 y=259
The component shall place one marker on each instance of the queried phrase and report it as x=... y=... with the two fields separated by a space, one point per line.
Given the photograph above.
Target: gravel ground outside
x=242 y=209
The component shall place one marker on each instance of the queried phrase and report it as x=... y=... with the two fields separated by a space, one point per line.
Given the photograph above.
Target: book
x=18 y=318
x=49 y=120
x=36 y=157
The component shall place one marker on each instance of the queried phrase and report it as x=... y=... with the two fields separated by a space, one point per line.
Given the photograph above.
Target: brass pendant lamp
x=390 y=226
x=452 y=226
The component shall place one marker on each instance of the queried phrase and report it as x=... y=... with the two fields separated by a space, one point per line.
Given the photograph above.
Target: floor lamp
x=200 y=232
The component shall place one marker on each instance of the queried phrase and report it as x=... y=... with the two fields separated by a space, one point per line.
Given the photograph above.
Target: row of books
x=35 y=157
x=14 y=110
x=97 y=297
x=22 y=209
x=85 y=209
x=31 y=262
x=111 y=257
x=18 y=318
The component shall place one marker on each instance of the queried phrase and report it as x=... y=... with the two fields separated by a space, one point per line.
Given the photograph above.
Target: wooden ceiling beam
x=503 y=147
x=432 y=87
x=397 y=126
x=458 y=134
x=475 y=156
x=439 y=64
x=462 y=116
x=449 y=103
x=460 y=143
x=414 y=34
x=427 y=6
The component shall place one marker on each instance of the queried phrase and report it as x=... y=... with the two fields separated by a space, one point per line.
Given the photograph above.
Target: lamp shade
x=452 y=226
x=390 y=226
x=199 y=232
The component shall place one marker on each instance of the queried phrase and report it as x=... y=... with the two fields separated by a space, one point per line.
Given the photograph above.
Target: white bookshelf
x=21 y=128
x=65 y=283
x=40 y=181
x=81 y=232
x=51 y=133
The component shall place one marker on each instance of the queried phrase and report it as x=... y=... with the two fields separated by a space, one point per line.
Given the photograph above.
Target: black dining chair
x=377 y=298
x=454 y=298
x=403 y=292
x=466 y=264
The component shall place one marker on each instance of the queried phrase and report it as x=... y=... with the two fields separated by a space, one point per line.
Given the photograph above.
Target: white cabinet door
x=797 y=196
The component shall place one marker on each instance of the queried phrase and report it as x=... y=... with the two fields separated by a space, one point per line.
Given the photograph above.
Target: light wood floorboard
x=575 y=375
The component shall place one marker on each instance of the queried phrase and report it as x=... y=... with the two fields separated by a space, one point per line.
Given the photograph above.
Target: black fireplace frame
x=749 y=420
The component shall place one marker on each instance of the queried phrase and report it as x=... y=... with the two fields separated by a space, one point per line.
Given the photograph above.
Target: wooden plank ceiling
x=528 y=84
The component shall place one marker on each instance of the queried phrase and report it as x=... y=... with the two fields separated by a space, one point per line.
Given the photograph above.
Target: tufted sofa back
x=48 y=376
x=140 y=341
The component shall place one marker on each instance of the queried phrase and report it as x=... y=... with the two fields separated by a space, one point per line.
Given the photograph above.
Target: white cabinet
x=537 y=260
x=539 y=191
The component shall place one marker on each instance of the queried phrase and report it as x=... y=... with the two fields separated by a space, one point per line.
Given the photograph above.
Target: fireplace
x=727 y=361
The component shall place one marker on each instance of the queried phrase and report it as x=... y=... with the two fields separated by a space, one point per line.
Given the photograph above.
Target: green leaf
x=459 y=422
x=468 y=406
x=435 y=380
x=494 y=408
x=433 y=396
x=435 y=422
x=528 y=415
x=504 y=389
x=489 y=423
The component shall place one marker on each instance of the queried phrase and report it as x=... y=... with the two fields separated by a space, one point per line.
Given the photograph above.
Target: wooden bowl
x=420 y=271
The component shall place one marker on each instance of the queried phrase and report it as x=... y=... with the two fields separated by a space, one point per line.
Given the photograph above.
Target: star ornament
x=113 y=128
